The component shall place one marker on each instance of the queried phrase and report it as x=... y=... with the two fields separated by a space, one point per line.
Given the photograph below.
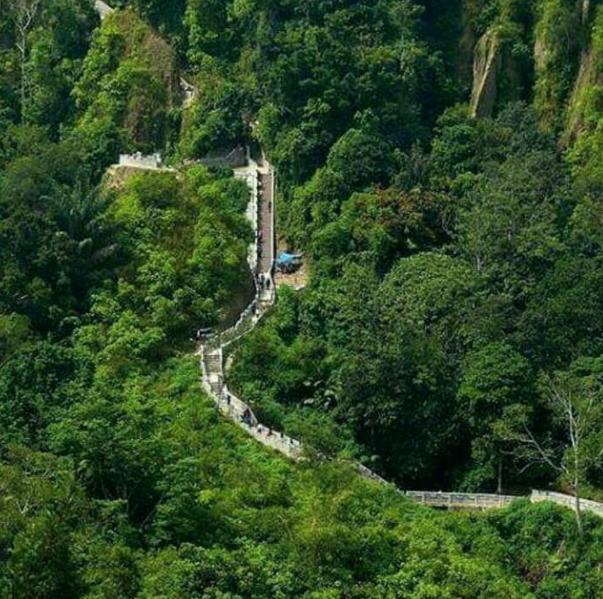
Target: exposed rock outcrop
x=582 y=99
x=486 y=67
x=576 y=108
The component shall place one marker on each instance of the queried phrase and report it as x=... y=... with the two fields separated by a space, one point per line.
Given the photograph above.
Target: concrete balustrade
x=212 y=354
x=479 y=501
x=239 y=412
x=586 y=505
x=476 y=501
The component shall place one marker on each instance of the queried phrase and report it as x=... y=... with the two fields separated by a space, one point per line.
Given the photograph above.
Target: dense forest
x=440 y=168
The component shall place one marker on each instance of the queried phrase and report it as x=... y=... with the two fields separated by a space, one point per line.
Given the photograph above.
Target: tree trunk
x=577 y=506
x=23 y=81
x=24 y=17
x=500 y=475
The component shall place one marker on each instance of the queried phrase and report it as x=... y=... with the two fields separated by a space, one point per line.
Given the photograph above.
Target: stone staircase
x=236 y=410
x=211 y=351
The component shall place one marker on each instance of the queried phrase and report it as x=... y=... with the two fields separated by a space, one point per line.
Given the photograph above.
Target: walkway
x=267 y=238
x=472 y=501
x=211 y=353
x=261 y=213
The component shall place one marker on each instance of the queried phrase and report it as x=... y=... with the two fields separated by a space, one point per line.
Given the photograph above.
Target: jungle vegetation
x=453 y=311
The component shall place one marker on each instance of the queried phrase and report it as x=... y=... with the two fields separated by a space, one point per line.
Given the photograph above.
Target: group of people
x=199 y=334
x=260 y=236
x=263 y=281
x=247 y=416
x=248 y=419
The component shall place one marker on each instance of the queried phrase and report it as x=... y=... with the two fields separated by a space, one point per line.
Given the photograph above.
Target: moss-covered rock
x=556 y=56
x=486 y=67
x=502 y=65
x=584 y=108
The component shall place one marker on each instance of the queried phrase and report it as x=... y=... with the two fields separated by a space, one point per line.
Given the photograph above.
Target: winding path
x=261 y=181
x=260 y=211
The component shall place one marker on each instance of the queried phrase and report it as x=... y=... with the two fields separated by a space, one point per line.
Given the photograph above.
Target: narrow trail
x=261 y=180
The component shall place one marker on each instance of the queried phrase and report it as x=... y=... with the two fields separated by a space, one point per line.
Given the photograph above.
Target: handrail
x=212 y=351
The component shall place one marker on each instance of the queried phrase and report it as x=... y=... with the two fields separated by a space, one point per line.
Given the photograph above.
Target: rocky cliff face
x=562 y=60
x=486 y=67
x=584 y=106
x=578 y=102
x=548 y=53
x=497 y=75
x=502 y=65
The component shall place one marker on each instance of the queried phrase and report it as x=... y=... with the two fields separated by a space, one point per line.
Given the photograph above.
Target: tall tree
x=495 y=377
x=24 y=14
x=575 y=401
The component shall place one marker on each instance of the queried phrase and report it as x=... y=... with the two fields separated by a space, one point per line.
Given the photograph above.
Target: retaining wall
x=233 y=159
x=139 y=160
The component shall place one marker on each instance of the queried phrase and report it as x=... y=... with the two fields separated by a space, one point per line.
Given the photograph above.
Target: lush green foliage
x=126 y=93
x=431 y=307
x=40 y=64
x=454 y=301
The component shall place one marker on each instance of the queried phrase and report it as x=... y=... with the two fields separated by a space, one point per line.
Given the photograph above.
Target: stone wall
x=237 y=411
x=232 y=159
x=461 y=500
x=491 y=501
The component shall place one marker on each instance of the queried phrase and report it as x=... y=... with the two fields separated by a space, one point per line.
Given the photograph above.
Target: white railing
x=491 y=501
x=245 y=323
x=236 y=410
x=142 y=161
x=460 y=500
x=569 y=501
x=249 y=174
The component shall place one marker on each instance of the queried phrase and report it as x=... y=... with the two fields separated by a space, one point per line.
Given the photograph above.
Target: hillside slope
x=452 y=317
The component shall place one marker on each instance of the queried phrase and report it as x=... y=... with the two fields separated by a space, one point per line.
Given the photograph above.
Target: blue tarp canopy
x=286 y=258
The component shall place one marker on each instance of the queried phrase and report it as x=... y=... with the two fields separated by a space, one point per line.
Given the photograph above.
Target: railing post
x=273 y=216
